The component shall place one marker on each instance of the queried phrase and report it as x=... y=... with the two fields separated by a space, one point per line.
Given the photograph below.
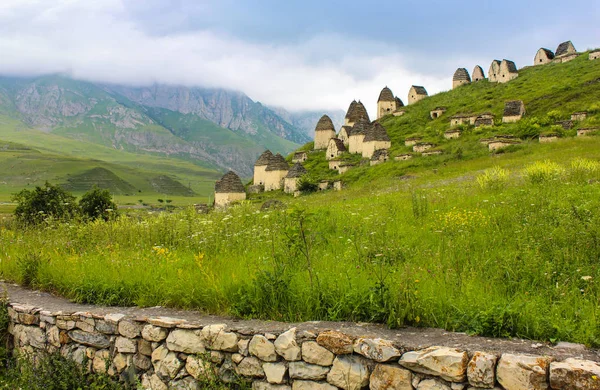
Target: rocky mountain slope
x=214 y=128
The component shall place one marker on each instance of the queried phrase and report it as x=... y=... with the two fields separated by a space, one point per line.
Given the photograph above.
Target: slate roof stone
x=297 y=170
x=277 y=163
x=419 y=90
x=264 y=158
x=376 y=133
x=325 y=124
x=548 y=52
x=565 y=48
x=229 y=183
x=461 y=74
x=386 y=95
x=339 y=144
x=361 y=127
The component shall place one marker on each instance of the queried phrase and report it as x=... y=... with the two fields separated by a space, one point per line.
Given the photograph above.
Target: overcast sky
x=296 y=54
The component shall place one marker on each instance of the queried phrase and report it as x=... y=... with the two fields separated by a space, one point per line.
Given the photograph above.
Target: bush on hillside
x=541 y=172
x=98 y=203
x=307 y=184
x=494 y=179
x=43 y=203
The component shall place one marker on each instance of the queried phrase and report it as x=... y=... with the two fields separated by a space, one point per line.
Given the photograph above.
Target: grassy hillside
x=551 y=92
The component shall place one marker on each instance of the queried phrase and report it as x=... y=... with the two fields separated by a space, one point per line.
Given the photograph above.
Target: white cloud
x=95 y=40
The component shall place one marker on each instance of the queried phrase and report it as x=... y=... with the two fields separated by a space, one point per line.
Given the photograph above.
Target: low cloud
x=97 y=41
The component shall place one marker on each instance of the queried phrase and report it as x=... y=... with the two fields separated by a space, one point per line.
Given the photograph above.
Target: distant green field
x=49 y=157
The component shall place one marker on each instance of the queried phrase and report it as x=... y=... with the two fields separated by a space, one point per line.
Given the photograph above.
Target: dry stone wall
x=176 y=353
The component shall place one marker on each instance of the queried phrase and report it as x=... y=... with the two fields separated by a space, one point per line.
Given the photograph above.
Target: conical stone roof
x=277 y=163
x=264 y=158
x=386 y=95
x=361 y=127
x=359 y=111
x=399 y=102
x=461 y=74
x=376 y=133
x=325 y=124
x=297 y=170
x=350 y=109
x=229 y=183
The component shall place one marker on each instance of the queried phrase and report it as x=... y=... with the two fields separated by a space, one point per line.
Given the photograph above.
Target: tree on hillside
x=37 y=205
x=98 y=203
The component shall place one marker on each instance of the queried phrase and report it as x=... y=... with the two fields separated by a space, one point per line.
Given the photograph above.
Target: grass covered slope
x=550 y=92
x=131 y=177
x=506 y=255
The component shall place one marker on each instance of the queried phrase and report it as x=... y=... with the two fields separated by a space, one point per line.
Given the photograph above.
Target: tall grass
x=520 y=262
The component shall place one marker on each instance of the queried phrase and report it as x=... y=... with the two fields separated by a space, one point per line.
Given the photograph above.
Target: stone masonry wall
x=174 y=353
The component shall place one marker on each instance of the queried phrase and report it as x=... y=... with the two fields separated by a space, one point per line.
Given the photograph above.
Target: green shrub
x=43 y=203
x=583 y=169
x=493 y=179
x=98 y=203
x=307 y=184
x=541 y=172
x=28 y=266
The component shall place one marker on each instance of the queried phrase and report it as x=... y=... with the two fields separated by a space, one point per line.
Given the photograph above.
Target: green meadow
x=463 y=248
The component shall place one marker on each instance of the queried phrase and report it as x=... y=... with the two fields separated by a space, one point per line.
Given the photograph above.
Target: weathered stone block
x=217 y=338
x=186 y=341
x=169 y=366
x=481 y=370
x=142 y=362
x=390 y=377
x=187 y=383
x=575 y=374
x=114 y=318
x=432 y=384
x=313 y=353
x=269 y=386
x=275 y=372
x=336 y=342
x=154 y=333
x=251 y=367
x=105 y=327
x=199 y=368
x=287 y=347
x=349 y=372
x=303 y=370
x=122 y=361
x=95 y=340
x=53 y=336
x=310 y=385
x=523 y=372
x=153 y=382
x=130 y=329
x=125 y=345
x=448 y=363
x=144 y=347
x=376 y=349
x=262 y=348
x=243 y=347
x=102 y=363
